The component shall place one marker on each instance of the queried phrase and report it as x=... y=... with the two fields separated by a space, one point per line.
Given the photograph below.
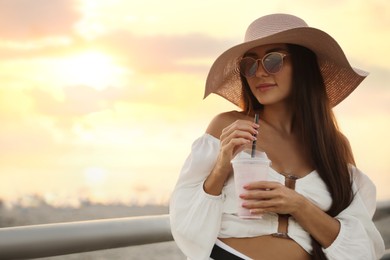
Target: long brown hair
x=316 y=124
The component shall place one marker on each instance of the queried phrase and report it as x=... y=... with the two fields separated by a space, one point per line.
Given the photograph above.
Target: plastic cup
x=246 y=170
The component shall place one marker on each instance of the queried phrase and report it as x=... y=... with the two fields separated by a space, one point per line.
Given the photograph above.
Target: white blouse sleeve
x=195 y=216
x=358 y=237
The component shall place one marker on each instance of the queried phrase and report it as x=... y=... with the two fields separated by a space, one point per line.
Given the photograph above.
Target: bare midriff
x=267 y=247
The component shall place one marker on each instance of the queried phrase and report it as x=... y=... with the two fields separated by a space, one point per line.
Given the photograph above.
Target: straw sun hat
x=339 y=77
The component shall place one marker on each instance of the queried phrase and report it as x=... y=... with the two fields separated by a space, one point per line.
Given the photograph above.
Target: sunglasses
x=272 y=63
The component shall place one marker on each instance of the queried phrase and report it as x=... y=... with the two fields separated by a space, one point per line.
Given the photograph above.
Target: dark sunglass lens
x=273 y=62
x=248 y=67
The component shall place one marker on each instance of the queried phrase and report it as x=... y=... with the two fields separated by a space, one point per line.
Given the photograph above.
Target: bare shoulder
x=221 y=121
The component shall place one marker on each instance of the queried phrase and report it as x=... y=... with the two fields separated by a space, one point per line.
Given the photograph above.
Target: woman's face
x=270 y=89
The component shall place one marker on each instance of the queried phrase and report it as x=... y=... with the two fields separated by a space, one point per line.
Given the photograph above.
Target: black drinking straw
x=254 y=141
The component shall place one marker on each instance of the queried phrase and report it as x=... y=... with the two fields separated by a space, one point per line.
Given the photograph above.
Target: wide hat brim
x=339 y=77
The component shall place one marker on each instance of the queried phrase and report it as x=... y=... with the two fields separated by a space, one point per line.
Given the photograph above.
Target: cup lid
x=246 y=155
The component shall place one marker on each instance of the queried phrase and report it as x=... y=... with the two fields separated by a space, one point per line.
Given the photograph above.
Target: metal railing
x=26 y=242
x=387 y=255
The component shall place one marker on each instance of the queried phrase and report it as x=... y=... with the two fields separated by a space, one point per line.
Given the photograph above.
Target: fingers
x=263 y=190
x=236 y=135
x=262 y=197
x=263 y=185
x=264 y=205
x=240 y=129
x=234 y=144
x=233 y=138
x=267 y=205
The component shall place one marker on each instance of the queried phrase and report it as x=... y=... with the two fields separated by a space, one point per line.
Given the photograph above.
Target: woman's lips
x=265 y=87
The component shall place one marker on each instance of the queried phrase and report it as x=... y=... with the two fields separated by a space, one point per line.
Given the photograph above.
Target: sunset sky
x=103 y=99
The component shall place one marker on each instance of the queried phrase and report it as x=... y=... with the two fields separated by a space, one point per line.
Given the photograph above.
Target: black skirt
x=218 y=253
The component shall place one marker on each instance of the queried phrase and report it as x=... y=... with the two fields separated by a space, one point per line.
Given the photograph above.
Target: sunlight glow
x=95 y=176
x=93 y=69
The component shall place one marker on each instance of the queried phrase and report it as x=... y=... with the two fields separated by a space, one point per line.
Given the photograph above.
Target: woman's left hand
x=266 y=197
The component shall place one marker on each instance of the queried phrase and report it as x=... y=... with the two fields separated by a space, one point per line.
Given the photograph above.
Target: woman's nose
x=260 y=72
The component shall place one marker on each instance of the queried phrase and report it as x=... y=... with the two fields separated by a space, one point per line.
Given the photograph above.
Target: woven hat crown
x=272 y=24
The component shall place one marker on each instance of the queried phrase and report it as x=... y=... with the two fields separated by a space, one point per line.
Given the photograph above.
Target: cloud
x=25 y=19
x=166 y=53
x=16 y=140
x=158 y=54
x=77 y=101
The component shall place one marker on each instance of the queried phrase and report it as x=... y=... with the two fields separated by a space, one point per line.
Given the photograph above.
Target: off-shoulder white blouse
x=198 y=219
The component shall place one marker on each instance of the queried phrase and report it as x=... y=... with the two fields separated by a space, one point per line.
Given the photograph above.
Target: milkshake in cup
x=248 y=169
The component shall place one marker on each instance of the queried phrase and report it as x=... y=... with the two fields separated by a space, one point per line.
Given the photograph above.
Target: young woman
x=316 y=204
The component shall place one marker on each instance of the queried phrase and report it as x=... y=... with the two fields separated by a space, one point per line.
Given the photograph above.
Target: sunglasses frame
x=256 y=61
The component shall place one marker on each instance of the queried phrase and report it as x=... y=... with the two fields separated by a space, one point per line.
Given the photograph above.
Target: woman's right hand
x=234 y=136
